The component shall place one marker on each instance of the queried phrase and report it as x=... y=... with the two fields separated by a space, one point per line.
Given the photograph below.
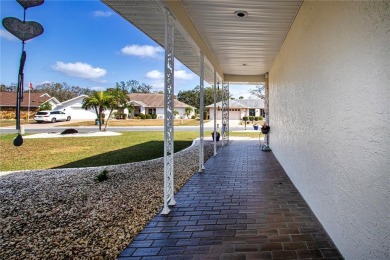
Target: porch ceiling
x=241 y=50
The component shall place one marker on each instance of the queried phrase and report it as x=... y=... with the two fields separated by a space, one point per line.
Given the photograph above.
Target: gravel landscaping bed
x=67 y=214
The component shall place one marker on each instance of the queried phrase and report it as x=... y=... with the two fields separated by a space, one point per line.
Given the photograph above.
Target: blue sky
x=86 y=44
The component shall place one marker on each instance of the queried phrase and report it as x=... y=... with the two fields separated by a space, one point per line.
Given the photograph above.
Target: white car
x=51 y=116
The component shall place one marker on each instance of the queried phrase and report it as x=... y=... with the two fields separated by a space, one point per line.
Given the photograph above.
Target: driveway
x=232 y=123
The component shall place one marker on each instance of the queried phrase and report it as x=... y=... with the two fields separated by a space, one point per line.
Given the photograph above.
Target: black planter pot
x=217 y=135
x=264 y=131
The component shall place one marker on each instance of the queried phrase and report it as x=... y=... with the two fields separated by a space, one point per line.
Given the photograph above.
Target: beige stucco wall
x=330 y=119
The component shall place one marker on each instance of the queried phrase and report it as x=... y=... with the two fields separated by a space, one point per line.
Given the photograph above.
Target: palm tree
x=188 y=111
x=99 y=101
x=117 y=99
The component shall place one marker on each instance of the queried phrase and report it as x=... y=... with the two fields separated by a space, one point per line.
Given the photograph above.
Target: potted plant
x=217 y=136
x=265 y=128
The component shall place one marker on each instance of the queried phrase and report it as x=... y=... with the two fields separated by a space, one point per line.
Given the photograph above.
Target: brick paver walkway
x=242 y=207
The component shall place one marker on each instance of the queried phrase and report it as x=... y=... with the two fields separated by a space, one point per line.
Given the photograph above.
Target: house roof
x=153 y=100
x=8 y=99
x=72 y=99
x=242 y=103
x=251 y=103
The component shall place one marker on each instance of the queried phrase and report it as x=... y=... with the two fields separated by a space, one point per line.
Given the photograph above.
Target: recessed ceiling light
x=241 y=14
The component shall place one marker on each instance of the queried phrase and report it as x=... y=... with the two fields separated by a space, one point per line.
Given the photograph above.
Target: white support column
x=225 y=113
x=169 y=187
x=201 y=107
x=266 y=108
x=266 y=101
x=215 y=113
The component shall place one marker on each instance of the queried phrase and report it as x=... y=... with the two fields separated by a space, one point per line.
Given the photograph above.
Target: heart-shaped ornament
x=30 y=3
x=22 y=30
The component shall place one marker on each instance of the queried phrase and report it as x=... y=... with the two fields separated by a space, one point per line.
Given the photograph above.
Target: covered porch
x=324 y=65
x=243 y=206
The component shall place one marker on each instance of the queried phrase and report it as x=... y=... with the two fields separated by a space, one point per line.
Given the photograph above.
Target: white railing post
x=266 y=147
x=225 y=113
x=201 y=108
x=215 y=113
x=168 y=113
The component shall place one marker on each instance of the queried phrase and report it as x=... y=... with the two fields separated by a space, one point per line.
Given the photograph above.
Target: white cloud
x=80 y=70
x=142 y=50
x=6 y=35
x=157 y=78
x=183 y=75
x=241 y=90
x=155 y=74
x=179 y=75
x=102 y=14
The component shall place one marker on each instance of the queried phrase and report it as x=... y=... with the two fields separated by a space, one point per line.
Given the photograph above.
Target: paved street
x=61 y=126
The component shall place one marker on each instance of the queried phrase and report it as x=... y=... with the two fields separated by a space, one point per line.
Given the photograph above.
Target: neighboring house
x=238 y=108
x=74 y=108
x=154 y=104
x=30 y=101
x=143 y=103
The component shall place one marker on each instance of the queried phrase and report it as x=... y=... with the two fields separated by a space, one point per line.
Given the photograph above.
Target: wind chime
x=24 y=31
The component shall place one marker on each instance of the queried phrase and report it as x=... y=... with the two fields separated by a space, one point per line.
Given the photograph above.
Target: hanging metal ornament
x=30 y=3
x=24 y=31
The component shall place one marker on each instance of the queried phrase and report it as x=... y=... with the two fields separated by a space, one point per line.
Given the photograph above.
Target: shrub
x=45 y=106
x=260 y=118
x=142 y=116
x=148 y=116
x=154 y=116
x=103 y=176
x=256 y=118
x=250 y=118
x=245 y=118
x=193 y=117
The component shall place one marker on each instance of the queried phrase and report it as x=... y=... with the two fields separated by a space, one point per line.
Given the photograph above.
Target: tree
x=45 y=106
x=117 y=99
x=133 y=86
x=259 y=91
x=188 y=111
x=175 y=112
x=62 y=91
x=99 y=101
x=191 y=97
x=241 y=97
x=5 y=88
x=209 y=96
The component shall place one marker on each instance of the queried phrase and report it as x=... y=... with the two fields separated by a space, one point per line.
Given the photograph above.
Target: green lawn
x=71 y=152
x=68 y=152
x=140 y=122
x=246 y=134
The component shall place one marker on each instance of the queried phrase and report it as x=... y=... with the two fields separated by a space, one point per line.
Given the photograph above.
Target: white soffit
x=236 y=47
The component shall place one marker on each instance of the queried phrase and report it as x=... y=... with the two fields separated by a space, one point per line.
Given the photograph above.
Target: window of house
x=262 y=112
x=252 y=112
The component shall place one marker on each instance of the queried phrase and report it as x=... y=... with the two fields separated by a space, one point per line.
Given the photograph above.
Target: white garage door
x=80 y=113
x=233 y=114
